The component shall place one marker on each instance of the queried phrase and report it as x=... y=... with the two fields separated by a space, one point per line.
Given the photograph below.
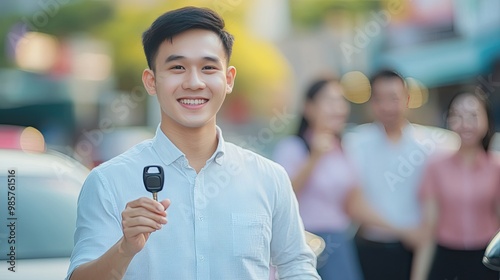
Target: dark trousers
x=459 y=265
x=384 y=261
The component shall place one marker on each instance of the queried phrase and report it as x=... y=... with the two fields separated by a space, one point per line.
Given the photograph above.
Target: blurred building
x=444 y=46
x=449 y=46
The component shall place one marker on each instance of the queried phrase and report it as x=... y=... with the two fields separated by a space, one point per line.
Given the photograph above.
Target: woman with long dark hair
x=460 y=197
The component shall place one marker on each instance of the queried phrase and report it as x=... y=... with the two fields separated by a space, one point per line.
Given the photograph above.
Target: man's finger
x=165 y=203
x=142 y=220
x=148 y=203
x=135 y=231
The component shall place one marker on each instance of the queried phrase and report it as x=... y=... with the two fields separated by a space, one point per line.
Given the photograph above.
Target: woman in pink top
x=461 y=196
x=325 y=181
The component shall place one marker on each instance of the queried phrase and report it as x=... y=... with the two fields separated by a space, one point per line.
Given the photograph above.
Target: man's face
x=191 y=78
x=389 y=101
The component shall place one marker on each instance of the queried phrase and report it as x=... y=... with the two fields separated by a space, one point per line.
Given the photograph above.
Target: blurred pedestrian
x=325 y=181
x=231 y=212
x=389 y=157
x=460 y=195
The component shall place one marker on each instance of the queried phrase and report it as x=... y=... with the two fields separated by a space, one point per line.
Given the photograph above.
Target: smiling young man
x=230 y=211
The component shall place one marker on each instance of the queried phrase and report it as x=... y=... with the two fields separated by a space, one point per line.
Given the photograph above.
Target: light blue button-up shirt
x=229 y=221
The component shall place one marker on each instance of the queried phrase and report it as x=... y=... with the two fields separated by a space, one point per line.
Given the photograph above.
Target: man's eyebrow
x=212 y=59
x=175 y=57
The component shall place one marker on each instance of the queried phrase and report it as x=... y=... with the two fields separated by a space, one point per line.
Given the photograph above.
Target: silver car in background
x=38 y=202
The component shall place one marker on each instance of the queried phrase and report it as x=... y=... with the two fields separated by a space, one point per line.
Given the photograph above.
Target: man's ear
x=230 y=76
x=148 y=79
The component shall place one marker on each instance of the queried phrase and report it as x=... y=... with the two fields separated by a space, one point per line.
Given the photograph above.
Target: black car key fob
x=153 y=178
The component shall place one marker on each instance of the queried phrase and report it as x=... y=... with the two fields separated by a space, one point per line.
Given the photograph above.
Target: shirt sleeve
x=290 y=254
x=98 y=222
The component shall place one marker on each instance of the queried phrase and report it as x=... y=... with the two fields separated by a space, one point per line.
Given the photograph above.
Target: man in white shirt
x=230 y=211
x=390 y=155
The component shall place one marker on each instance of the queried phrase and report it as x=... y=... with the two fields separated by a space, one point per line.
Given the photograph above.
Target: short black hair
x=174 y=22
x=386 y=74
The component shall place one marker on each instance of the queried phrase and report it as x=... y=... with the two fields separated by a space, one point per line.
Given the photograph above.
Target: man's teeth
x=193 y=101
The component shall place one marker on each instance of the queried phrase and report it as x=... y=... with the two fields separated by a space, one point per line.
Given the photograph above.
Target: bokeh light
x=419 y=94
x=36 y=52
x=92 y=66
x=32 y=140
x=356 y=87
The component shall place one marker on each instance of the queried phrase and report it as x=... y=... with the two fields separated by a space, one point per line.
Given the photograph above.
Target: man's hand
x=140 y=218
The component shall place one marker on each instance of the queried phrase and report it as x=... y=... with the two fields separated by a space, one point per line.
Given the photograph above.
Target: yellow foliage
x=263 y=72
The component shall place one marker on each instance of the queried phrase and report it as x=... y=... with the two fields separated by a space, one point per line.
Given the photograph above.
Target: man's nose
x=193 y=81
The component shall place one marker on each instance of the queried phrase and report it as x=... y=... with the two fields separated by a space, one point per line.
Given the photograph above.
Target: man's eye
x=209 y=68
x=177 y=67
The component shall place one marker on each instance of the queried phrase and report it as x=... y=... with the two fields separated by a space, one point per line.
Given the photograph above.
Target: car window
x=45 y=212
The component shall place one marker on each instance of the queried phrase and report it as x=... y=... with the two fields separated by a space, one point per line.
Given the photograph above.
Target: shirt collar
x=169 y=153
x=481 y=159
x=218 y=156
x=406 y=130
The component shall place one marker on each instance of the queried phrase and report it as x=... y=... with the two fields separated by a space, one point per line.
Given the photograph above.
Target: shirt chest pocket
x=249 y=235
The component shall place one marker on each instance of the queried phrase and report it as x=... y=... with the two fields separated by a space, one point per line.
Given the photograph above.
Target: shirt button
x=202 y=258
x=201 y=218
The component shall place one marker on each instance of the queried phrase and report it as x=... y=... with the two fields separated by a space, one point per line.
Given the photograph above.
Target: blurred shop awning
x=445 y=62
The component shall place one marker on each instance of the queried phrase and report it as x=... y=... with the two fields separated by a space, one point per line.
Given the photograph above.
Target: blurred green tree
x=60 y=20
x=311 y=13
